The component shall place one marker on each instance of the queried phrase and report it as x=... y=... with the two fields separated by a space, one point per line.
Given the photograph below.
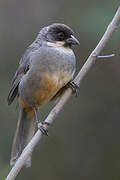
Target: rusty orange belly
x=45 y=89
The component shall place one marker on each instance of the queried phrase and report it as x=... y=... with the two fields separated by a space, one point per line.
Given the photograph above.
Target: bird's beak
x=72 y=41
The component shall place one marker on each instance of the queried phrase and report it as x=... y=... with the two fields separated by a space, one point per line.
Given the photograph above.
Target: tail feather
x=24 y=132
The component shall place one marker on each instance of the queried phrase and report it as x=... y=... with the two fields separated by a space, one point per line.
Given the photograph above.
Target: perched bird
x=46 y=67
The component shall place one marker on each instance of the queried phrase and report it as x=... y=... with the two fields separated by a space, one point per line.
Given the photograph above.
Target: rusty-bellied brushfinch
x=47 y=66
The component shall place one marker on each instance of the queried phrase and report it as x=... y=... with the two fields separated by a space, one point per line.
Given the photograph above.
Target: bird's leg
x=39 y=124
x=74 y=87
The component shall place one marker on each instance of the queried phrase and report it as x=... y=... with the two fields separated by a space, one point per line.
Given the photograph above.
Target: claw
x=74 y=87
x=42 y=129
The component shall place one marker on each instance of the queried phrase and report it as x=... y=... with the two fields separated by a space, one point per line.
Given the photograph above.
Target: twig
x=106 y=56
x=91 y=59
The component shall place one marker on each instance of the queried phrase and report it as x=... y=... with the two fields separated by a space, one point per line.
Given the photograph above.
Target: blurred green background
x=84 y=141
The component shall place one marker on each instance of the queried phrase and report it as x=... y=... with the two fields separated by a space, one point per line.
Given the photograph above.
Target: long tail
x=24 y=132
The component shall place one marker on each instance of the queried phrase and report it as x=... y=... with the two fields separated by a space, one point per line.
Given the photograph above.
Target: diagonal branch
x=78 y=79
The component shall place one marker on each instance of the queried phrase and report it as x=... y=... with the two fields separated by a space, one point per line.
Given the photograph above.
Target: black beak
x=72 y=41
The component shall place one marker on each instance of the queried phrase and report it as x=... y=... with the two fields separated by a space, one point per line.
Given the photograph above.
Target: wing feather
x=21 y=71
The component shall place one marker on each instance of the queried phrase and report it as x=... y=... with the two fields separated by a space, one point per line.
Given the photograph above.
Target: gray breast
x=53 y=59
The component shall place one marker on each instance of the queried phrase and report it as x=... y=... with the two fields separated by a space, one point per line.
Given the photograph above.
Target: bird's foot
x=40 y=125
x=42 y=128
x=74 y=87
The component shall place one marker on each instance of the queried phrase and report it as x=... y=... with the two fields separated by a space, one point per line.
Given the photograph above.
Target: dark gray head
x=58 y=33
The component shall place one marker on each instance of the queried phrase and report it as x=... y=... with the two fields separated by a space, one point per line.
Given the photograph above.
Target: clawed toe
x=43 y=129
x=74 y=87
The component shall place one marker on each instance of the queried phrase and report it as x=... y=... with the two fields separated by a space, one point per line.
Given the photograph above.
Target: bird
x=45 y=70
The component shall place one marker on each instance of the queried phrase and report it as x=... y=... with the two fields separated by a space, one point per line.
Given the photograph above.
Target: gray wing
x=21 y=71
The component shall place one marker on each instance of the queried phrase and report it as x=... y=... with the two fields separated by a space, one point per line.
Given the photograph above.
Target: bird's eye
x=61 y=36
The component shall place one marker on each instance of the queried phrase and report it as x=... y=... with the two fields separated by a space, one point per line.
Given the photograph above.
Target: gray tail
x=24 y=132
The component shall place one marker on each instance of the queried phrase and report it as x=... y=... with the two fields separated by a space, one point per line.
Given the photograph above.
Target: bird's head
x=59 y=35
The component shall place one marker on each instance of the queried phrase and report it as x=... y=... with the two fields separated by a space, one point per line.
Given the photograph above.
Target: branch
x=106 y=56
x=78 y=79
